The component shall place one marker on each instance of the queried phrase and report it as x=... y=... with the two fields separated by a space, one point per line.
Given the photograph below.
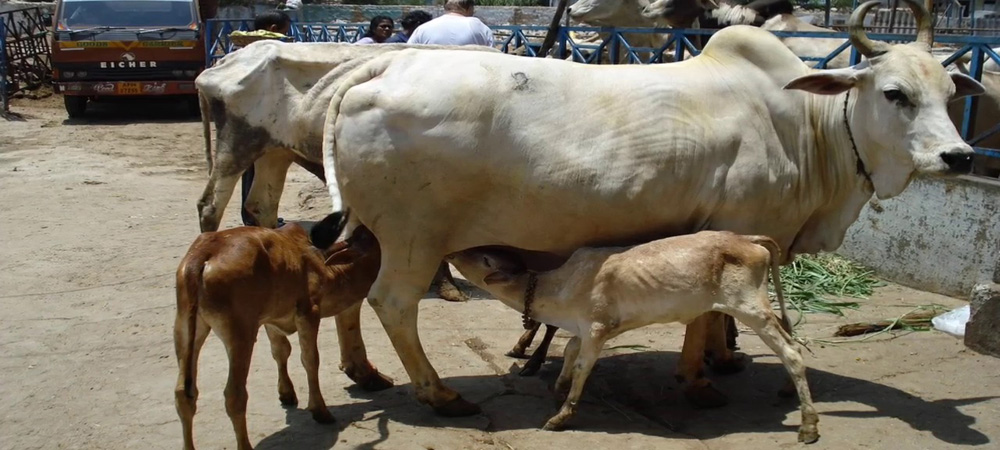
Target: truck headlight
x=68 y=74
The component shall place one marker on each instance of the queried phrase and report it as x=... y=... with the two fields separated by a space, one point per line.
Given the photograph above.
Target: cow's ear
x=966 y=85
x=826 y=82
x=498 y=277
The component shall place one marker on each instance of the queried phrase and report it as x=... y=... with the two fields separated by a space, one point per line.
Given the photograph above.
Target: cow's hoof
x=517 y=353
x=736 y=364
x=706 y=396
x=450 y=293
x=788 y=390
x=529 y=369
x=808 y=435
x=322 y=415
x=457 y=407
x=557 y=423
x=288 y=399
x=375 y=382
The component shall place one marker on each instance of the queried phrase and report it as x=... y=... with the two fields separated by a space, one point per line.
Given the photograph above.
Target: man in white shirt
x=455 y=27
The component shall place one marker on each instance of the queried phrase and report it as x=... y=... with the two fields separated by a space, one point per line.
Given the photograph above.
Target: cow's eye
x=897 y=96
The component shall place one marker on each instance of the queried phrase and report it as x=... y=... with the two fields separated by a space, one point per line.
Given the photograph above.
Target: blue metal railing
x=615 y=42
x=4 y=101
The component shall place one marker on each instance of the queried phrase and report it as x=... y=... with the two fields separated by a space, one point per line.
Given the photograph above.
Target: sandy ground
x=94 y=216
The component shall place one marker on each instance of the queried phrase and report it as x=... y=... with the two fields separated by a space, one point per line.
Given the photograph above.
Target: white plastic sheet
x=952 y=322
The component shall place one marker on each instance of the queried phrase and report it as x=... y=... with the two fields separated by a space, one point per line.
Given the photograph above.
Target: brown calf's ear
x=966 y=85
x=497 y=278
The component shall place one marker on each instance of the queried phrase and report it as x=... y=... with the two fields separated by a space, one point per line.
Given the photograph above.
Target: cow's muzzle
x=959 y=161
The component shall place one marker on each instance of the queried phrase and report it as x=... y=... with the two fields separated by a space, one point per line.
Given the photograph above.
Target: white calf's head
x=898 y=105
x=488 y=267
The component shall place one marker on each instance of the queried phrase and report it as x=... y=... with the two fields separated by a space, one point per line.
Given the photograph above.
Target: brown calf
x=236 y=280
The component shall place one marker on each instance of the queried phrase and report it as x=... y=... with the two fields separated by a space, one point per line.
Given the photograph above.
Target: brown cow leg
x=444 y=285
x=281 y=349
x=186 y=396
x=521 y=347
x=722 y=360
x=307 y=323
x=538 y=358
x=239 y=346
x=353 y=357
x=698 y=390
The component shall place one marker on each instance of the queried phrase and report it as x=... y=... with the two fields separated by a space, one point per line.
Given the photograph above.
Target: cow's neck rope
x=529 y=297
x=850 y=135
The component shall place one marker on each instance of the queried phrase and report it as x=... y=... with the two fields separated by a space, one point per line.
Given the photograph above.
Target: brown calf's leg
x=538 y=358
x=239 y=345
x=281 y=349
x=724 y=361
x=353 y=357
x=589 y=351
x=307 y=324
x=186 y=391
x=698 y=390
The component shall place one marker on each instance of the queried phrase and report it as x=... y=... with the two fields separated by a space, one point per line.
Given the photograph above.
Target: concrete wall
x=940 y=235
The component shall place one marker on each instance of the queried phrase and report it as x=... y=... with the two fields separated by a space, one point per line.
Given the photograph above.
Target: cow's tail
x=363 y=74
x=206 y=126
x=775 y=260
x=189 y=292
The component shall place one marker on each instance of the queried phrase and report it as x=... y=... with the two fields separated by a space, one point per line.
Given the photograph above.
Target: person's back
x=455 y=27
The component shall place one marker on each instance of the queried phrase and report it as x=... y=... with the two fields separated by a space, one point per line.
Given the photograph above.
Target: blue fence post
x=972 y=101
x=3 y=68
x=562 y=36
x=679 y=45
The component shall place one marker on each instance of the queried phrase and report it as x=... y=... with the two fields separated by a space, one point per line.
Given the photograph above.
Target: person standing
x=455 y=27
x=379 y=30
x=410 y=22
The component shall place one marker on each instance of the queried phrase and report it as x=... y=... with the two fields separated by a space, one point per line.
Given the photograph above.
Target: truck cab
x=116 y=48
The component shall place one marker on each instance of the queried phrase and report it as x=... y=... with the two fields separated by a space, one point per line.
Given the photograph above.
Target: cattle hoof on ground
x=457 y=407
x=808 y=436
x=706 y=396
x=557 y=423
x=288 y=399
x=375 y=382
x=736 y=364
x=323 y=416
x=451 y=293
x=517 y=353
x=530 y=368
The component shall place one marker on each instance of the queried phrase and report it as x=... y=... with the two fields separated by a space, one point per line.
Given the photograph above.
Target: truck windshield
x=77 y=14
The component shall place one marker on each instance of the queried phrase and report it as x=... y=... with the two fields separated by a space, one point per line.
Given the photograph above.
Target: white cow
x=744 y=137
x=269 y=101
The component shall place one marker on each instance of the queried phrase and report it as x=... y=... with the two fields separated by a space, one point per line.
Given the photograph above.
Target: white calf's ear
x=827 y=82
x=966 y=85
x=497 y=278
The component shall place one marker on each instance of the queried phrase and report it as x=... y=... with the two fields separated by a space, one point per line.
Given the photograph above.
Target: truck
x=103 y=49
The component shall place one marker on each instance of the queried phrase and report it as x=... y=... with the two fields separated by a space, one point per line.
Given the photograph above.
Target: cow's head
x=899 y=117
x=678 y=13
x=607 y=12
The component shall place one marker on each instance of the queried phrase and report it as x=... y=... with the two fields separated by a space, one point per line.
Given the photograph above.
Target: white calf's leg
x=589 y=351
x=570 y=353
x=754 y=315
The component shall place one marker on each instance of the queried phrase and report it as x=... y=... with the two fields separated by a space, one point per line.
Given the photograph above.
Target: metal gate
x=24 y=52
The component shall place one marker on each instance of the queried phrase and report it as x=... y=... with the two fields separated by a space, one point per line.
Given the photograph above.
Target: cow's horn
x=856 y=29
x=925 y=29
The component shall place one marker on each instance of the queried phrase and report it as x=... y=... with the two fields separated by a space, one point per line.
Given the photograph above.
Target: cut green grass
x=810 y=282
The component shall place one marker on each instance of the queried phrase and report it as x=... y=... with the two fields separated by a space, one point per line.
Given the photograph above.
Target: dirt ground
x=95 y=214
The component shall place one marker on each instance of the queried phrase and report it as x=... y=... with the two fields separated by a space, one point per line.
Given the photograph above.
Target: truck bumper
x=108 y=88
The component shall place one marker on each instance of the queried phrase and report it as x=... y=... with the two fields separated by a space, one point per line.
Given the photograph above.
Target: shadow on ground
x=636 y=393
x=128 y=110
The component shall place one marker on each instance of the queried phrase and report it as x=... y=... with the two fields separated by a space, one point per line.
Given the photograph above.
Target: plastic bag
x=952 y=322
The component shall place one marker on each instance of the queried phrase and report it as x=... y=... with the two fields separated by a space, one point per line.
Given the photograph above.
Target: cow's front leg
x=353 y=356
x=401 y=282
x=697 y=389
x=270 y=171
x=723 y=360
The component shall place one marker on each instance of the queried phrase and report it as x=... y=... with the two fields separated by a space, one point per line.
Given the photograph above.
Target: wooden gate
x=24 y=51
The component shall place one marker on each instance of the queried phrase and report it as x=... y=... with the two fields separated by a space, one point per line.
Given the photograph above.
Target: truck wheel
x=76 y=105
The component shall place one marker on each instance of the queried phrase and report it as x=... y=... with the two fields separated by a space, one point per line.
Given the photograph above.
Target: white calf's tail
x=775 y=251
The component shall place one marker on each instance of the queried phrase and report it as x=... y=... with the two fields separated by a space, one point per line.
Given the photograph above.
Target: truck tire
x=76 y=106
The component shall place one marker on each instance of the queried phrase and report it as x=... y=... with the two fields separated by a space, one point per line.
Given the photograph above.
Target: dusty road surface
x=95 y=214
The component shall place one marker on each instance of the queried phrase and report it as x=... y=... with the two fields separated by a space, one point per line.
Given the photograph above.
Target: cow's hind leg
x=402 y=280
x=307 y=323
x=281 y=349
x=186 y=391
x=589 y=350
x=755 y=315
x=239 y=342
x=353 y=356
x=723 y=360
x=521 y=347
x=697 y=389
x=270 y=171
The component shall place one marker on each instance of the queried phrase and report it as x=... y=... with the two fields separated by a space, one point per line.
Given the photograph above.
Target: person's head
x=414 y=19
x=464 y=7
x=380 y=28
x=274 y=21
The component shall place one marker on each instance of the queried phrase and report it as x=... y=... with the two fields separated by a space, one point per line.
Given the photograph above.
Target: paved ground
x=96 y=214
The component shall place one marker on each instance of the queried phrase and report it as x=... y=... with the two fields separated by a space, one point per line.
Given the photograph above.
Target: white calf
x=602 y=292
